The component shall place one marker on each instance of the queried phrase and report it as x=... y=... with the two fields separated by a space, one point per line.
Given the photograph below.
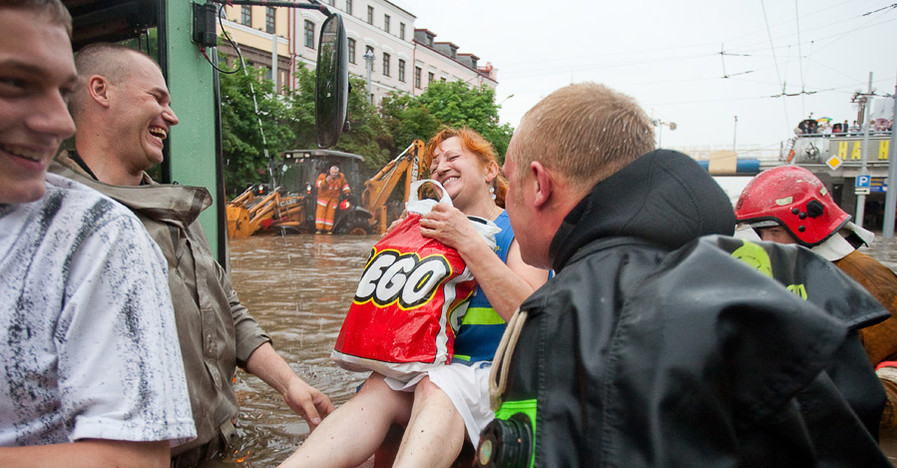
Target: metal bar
x=861 y=199
x=891 y=195
x=277 y=3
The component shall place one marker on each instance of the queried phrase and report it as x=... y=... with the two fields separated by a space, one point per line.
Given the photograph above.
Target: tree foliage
x=365 y=133
x=242 y=143
x=377 y=134
x=457 y=104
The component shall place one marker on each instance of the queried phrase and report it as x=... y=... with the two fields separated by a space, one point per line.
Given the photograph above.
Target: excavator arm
x=378 y=188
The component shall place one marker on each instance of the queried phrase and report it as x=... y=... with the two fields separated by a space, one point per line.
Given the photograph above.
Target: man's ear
x=543 y=184
x=98 y=90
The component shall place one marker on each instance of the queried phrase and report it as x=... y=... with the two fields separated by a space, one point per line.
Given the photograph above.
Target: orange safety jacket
x=330 y=189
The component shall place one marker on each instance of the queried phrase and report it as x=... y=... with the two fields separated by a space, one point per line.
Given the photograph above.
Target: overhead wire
x=774 y=59
x=800 y=60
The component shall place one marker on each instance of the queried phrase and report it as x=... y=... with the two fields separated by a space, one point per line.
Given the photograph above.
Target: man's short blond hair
x=57 y=11
x=111 y=61
x=585 y=132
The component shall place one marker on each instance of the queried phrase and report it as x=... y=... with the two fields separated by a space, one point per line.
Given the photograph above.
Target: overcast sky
x=666 y=54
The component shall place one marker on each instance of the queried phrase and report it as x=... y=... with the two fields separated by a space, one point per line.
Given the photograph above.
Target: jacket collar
x=663 y=197
x=177 y=204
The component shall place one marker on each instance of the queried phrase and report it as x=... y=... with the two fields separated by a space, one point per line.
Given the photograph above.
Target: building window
x=401 y=70
x=246 y=15
x=430 y=78
x=269 y=19
x=351 y=50
x=386 y=23
x=309 y=34
x=417 y=72
x=349 y=7
x=402 y=31
x=370 y=15
x=385 y=64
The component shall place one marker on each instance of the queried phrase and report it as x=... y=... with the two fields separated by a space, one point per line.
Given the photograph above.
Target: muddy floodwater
x=299 y=288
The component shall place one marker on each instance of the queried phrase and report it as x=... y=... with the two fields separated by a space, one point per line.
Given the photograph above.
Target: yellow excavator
x=290 y=206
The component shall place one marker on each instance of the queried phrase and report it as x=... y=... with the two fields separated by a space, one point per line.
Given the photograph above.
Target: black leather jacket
x=652 y=347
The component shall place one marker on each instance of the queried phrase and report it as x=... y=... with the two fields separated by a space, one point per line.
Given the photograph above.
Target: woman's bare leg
x=349 y=435
x=435 y=433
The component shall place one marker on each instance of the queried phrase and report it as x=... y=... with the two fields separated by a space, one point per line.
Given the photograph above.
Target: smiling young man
x=122 y=108
x=124 y=104
x=92 y=375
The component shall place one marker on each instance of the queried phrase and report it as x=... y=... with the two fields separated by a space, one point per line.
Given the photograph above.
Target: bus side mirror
x=331 y=82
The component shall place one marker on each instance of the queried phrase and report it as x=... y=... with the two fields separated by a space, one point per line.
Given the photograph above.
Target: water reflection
x=299 y=288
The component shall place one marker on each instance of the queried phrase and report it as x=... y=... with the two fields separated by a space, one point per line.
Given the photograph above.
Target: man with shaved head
x=122 y=108
x=91 y=370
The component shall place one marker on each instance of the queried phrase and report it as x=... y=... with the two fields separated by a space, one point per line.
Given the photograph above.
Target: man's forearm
x=89 y=454
x=267 y=365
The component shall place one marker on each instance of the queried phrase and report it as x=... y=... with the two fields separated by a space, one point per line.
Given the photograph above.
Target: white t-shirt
x=88 y=345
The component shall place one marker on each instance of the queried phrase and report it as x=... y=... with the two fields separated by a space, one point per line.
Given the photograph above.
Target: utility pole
x=891 y=195
x=369 y=64
x=861 y=199
x=660 y=124
x=734 y=132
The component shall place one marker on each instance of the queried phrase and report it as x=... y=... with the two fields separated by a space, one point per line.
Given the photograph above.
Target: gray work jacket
x=215 y=330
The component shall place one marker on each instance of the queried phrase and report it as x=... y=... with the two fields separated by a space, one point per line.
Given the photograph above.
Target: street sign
x=861 y=191
x=863 y=181
x=833 y=162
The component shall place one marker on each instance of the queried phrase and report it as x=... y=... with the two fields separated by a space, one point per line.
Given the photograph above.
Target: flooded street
x=299 y=288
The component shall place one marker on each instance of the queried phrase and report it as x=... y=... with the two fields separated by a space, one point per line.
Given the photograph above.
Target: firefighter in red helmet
x=790 y=205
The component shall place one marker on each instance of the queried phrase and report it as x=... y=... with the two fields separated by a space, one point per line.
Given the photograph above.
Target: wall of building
x=392 y=41
x=259 y=47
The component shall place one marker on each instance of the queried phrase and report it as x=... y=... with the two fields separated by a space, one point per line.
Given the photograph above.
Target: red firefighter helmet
x=794 y=198
x=344 y=205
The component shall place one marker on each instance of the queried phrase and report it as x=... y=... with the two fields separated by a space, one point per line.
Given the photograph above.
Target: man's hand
x=301 y=397
x=307 y=402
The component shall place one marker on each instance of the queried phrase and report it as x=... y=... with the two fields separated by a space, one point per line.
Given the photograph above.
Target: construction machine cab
x=300 y=171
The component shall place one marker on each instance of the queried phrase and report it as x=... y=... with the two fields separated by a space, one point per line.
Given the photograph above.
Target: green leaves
x=376 y=134
x=242 y=143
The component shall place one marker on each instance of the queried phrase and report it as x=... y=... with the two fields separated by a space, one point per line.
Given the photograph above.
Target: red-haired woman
x=451 y=404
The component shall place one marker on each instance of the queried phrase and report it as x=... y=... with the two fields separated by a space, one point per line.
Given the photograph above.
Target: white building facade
x=399 y=58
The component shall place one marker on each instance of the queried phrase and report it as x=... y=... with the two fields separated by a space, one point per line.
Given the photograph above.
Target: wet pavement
x=299 y=288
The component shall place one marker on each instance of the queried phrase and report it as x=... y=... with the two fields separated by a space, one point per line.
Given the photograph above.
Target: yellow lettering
x=883 y=149
x=842 y=149
x=857 y=150
x=798 y=290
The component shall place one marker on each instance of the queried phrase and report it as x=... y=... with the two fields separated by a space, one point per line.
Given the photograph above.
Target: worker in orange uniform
x=790 y=205
x=329 y=185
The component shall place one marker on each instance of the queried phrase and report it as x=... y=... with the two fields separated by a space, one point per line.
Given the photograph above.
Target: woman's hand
x=448 y=225
x=396 y=222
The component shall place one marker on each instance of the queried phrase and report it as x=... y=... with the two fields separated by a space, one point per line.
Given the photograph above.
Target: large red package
x=411 y=298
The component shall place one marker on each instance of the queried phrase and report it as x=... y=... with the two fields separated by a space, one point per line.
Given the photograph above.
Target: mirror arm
x=314 y=5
